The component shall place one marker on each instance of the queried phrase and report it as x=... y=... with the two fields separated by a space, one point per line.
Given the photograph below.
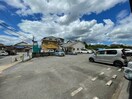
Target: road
x=69 y=77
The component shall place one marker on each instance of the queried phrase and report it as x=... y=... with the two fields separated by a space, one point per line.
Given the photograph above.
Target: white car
x=3 y=53
x=110 y=56
x=128 y=71
x=85 y=51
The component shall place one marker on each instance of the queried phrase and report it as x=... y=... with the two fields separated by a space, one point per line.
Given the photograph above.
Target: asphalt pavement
x=69 y=77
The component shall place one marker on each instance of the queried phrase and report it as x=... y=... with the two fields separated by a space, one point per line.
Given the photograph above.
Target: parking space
x=69 y=77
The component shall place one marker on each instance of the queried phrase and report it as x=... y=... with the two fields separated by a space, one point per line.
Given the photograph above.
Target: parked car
x=111 y=56
x=128 y=71
x=11 y=52
x=85 y=51
x=59 y=53
x=3 y=53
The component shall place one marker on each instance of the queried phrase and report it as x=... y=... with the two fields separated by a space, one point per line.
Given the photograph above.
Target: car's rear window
x=111 y=52
x=128 y=53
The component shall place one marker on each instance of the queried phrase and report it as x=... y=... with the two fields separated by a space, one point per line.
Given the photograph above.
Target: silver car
x=59 y=53
x=110 y=56
x=128 y=71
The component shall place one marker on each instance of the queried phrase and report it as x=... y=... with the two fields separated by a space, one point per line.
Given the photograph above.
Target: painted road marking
x=76 y=91
x=95 y=98
x=114 y=76
x=109 y=83
x=108 y=68
x=119 y=70
x=102 y=73
x=93 y=79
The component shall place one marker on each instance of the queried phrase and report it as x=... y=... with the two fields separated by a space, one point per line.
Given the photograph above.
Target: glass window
x=111 y=52
x=101 y=52
x=128 y=54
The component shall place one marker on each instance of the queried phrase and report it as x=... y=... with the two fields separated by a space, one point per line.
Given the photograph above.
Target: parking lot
x=69 y=77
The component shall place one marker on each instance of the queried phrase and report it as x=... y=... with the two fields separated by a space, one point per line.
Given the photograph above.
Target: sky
x=92 y=21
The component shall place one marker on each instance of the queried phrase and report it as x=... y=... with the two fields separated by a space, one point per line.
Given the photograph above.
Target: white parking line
x=114 y=76
x=119 y=70
x=93 y=79
x=18 y=76
x=108 y=68
x=76 y=91
x=109 y=83
x=102 y=73
x=95 y=98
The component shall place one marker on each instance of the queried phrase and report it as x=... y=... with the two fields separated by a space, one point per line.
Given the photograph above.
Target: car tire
x=91 y=59
x=118 y=64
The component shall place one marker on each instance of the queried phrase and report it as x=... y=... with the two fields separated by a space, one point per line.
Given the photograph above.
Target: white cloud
x=73 y=9
x=123 y=31
x=68 y=25
x=122 y=14
x=90 y=31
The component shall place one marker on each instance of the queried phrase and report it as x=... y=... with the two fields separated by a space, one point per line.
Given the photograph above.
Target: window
x=128 y=54
x=101 y=52
x=83 y=49
x=111 y=52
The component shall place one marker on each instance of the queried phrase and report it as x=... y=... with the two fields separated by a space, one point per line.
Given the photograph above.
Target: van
x=111 y=56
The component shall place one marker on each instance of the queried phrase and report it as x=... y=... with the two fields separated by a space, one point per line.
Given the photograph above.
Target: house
x=73 y=46
x=22 y=47
x=2 y=46
x=51 y=43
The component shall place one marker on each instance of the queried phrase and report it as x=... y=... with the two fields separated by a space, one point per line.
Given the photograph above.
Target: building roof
x=22 y=44
x=71 y=43
x=52 y=38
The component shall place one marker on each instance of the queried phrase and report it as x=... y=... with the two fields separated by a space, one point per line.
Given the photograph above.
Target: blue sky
x=91 y=21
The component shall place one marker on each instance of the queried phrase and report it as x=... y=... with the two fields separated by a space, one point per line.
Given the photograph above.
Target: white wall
x=78 y=45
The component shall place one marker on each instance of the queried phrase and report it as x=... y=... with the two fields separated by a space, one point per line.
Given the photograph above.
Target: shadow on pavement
x=130 y=89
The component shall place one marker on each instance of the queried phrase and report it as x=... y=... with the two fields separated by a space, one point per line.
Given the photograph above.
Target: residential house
x=51 y=43
x=2 y=46
x=22 y=47
x=73 y=46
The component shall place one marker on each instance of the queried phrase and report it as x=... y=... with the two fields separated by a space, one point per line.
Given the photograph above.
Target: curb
x=118 y=91
x=121 y=92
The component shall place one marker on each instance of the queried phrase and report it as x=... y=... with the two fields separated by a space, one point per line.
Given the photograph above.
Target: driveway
x=69 y=77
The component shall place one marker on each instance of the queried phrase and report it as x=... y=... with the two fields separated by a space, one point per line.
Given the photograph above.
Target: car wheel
x=91 y=59
x=118 y=64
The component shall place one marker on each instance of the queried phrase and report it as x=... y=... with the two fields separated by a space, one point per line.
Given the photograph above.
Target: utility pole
x=130 y=1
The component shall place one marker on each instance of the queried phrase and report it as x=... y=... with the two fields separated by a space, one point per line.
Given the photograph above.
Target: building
x=22 y=47
x=51 y=43
x=2 y=46
x=73 y=46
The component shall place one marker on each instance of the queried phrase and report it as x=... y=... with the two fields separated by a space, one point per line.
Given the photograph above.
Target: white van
x=110 y=56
